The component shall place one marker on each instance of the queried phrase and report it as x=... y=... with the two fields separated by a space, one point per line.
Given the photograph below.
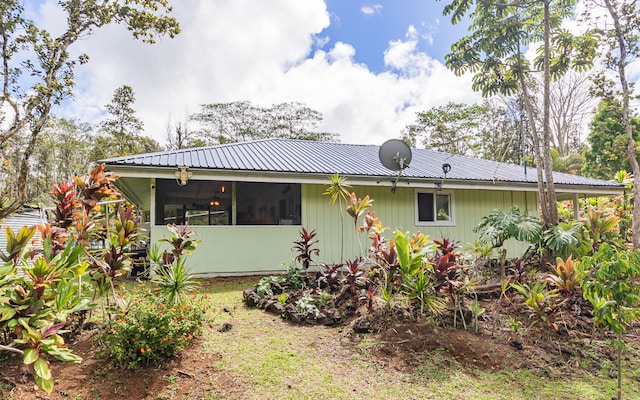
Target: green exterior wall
x=262 y=249
x=397 y=212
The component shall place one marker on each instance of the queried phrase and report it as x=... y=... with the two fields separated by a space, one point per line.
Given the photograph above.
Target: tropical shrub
x=172 y=275
x=611 y=287
x=566 y=277
x=151 y=331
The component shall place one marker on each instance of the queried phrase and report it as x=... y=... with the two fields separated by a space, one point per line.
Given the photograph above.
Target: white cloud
x=369 y=10
x=262 y=52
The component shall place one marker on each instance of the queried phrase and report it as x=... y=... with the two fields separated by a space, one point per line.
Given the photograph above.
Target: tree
x=121 y=134
x=607 y=153
x=485 y=131
x=241 y=121
x=494 y=53
x=621 y=47
x=570 y=102
x=61 y=153
x=37 y=70
x=181 y=136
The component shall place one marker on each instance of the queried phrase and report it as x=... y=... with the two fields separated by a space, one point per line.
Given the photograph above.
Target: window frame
x=452 y=214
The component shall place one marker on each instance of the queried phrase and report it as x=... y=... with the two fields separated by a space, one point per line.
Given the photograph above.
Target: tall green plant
x=338 y=192
x=172 y=274
x=612 y=291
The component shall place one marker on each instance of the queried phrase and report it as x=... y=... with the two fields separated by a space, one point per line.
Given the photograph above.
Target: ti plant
x=539 y=301
x=173 y=275
x=329 y=275
x=353 y=272
x=565 y=276
x=304 y=247
x=36 y=302
x=356 y=208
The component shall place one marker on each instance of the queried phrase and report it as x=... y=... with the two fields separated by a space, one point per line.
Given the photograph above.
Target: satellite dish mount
x=395 y=155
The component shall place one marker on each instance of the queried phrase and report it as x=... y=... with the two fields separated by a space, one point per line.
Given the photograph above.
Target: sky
x=368 y=67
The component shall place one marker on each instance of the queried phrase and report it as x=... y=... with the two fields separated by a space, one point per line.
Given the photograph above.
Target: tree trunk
x=536 y=139
x=550 y=190
x=631 y=148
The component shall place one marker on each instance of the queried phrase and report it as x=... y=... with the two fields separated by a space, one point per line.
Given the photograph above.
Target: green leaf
x=30 y=356
x=44 y=384
x=6 y=313
x=41 y=368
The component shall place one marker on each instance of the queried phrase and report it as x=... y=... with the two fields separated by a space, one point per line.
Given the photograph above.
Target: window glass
x=434 y=207
x=425 y=207
x=196 y=203
x=267 y=203
x=442 y=207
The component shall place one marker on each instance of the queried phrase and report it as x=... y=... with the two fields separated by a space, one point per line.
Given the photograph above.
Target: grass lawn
x=268 y=358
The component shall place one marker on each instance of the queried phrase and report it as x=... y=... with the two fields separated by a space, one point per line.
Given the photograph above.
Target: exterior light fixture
x=183 y=175
x=215 y=201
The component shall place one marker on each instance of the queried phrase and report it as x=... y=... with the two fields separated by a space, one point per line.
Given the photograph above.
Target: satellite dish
x=395 y=154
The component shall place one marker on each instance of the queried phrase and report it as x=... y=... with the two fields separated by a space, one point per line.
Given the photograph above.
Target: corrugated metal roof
x=308 y=157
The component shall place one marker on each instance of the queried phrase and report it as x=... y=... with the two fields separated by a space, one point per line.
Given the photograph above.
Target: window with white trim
x=434 y=208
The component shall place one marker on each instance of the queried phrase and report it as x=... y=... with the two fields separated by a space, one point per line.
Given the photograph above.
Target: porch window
x=259 y=203
x=434 y=208
x=227 y=203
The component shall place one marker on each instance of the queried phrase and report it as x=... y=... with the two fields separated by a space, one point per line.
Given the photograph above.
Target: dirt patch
x=190 y=375
x=408 y=344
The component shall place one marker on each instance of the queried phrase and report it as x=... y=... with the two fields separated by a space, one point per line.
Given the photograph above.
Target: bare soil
x=399 y=344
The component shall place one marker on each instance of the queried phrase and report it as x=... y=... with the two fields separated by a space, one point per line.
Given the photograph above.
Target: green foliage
x=282 y=299
x=173 y=276
x=610 y=287
x=600 y=227
x=566 y=239
x=338 y=190
x=608 y=143
x=264 y=286
x=499 y=226
x=50 y=63
x=175 y=282
x=566 y=276
x=306 y=303
x=483 y=131
x=17 y=244
x=181 y=240
x=539 y=302
x=356 y=206
x=295 y=279
x=514 y=324
x=121 y=132
x=241 y=121
x=150 y=332
x=36 y=302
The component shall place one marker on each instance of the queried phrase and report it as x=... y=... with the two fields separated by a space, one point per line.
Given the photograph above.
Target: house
x=25 y=216
x=248 y=200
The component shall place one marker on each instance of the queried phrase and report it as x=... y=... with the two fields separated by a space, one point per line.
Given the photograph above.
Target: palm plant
x=338 y=189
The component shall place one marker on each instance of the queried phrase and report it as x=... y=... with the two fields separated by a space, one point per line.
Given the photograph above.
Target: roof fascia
x=322 y=179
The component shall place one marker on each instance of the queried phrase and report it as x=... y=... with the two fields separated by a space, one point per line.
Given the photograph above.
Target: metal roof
x=308 y=157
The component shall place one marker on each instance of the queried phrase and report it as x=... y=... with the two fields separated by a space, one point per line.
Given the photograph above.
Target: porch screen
x=227 y=203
